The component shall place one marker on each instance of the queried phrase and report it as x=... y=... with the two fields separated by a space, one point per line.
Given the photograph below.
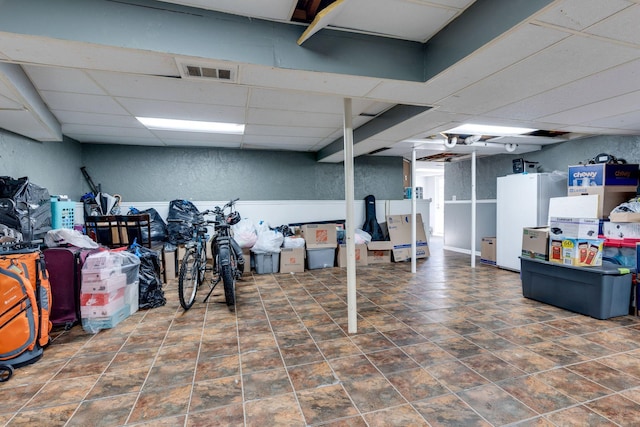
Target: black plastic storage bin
x=601 y=292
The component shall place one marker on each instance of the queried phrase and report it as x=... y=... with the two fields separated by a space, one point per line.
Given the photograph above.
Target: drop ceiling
x=570 y=66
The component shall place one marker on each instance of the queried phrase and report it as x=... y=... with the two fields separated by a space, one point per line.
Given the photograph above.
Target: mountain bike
x=227 y=263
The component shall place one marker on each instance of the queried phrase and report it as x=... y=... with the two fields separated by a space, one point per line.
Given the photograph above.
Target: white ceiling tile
x=49 y=51
x=7 y=103
x=293 y=118
x=99 y=119
x=573 y=58
x=588 y=113
x=613 y=82
x=296 y=101
x=403 y=19
x=403 y=92
x=80 y=102
x=171 y=89
x=23 y=122
x=580 y=14
x=288 y=140
x=617 y=26
x=306 y=81
x=69 y=129
x=509 y=49
x=62 y=80
x=183 y=110
x=302 y=131
x=628 y=120
x=202 y=144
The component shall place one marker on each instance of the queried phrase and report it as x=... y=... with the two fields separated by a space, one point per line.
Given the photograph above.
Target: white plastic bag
x=245 y=233
x=293 y=242
x=63 y=236
x=268 y=240
x=361 y=237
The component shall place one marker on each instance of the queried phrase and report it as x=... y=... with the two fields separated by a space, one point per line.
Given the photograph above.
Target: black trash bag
x=285 y=230
x=150 y=294
x=186 y=212
x=158 y=226
x=31 y=206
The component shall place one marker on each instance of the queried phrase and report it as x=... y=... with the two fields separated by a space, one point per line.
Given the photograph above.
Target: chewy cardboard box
x=613 y=183
x=488 y=250
x=319 y=236
x=361 y=255
x=535 y=243
x=578 y=252
x=379 y=252
x=292 y=260
x=399 y=227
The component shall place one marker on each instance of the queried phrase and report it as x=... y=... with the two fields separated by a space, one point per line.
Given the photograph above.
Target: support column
x=473 y=209
x=349 y=225
x=413 y=211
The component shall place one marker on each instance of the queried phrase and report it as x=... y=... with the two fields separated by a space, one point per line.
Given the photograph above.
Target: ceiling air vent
x=217 y=72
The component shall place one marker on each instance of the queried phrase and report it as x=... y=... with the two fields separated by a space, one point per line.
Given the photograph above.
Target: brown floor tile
x=449 y=411
x=578 y=416
x=496 y=405
x=403 y=415
x=325 y=404
x=231 y=416
x=215 y=393
x=373 y=393
x=617 y=409
x=416 y=384
x=161 y=403
x=311 y=375
x=264 y=384
x=275 y=411
x=111 y=411
x=573 y=385
x=50 y=416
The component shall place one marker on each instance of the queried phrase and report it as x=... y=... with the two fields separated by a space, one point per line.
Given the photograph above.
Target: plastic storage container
x=601 y=292
x=62 y=213
x=321 y=258
x=268 y=262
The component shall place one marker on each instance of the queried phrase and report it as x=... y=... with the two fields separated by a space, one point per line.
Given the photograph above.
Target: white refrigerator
x=522 y=201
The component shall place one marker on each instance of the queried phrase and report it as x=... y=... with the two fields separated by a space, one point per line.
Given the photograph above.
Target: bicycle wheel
x=229 y=282
x=189 y=278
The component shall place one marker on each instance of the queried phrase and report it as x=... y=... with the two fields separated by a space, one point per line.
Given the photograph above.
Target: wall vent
x=217 y=72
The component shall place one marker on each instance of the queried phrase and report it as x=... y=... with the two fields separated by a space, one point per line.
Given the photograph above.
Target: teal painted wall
x=163 y=174
x=551 y=158
x=53 y=165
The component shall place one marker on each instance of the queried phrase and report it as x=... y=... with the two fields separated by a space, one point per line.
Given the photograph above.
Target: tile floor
x=449 y=346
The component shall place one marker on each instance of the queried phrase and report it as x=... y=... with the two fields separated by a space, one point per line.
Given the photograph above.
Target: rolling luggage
x=24 y=313
x=64 y=264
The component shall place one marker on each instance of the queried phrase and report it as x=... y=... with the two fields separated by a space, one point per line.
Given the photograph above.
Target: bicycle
x=227 y=263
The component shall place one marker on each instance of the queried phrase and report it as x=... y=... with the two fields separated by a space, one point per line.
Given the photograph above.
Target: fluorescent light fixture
x=191 y=125
x=475 y=129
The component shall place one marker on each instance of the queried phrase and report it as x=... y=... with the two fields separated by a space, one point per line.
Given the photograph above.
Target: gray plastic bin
x=268 y=262
x=601 y=292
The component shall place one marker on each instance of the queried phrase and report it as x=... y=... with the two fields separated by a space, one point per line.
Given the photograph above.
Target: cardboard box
x=621 y=230
x=624 y=216
x=170 y=264
x=399 y=227
x=101 y=298
x=379 y=252
x=92 y=283
x=89 y=311
x=535 y=243
x=577 y=252
x=612 y=183
x=573 y=228
x=95 y=324
x=361 y=255
x=488 y=250
x=292 y=260
x=317 y=236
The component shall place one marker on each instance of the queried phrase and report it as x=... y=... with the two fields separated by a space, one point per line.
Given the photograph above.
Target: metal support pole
x=413 y=211
x=473 y=209
x=349 y=226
